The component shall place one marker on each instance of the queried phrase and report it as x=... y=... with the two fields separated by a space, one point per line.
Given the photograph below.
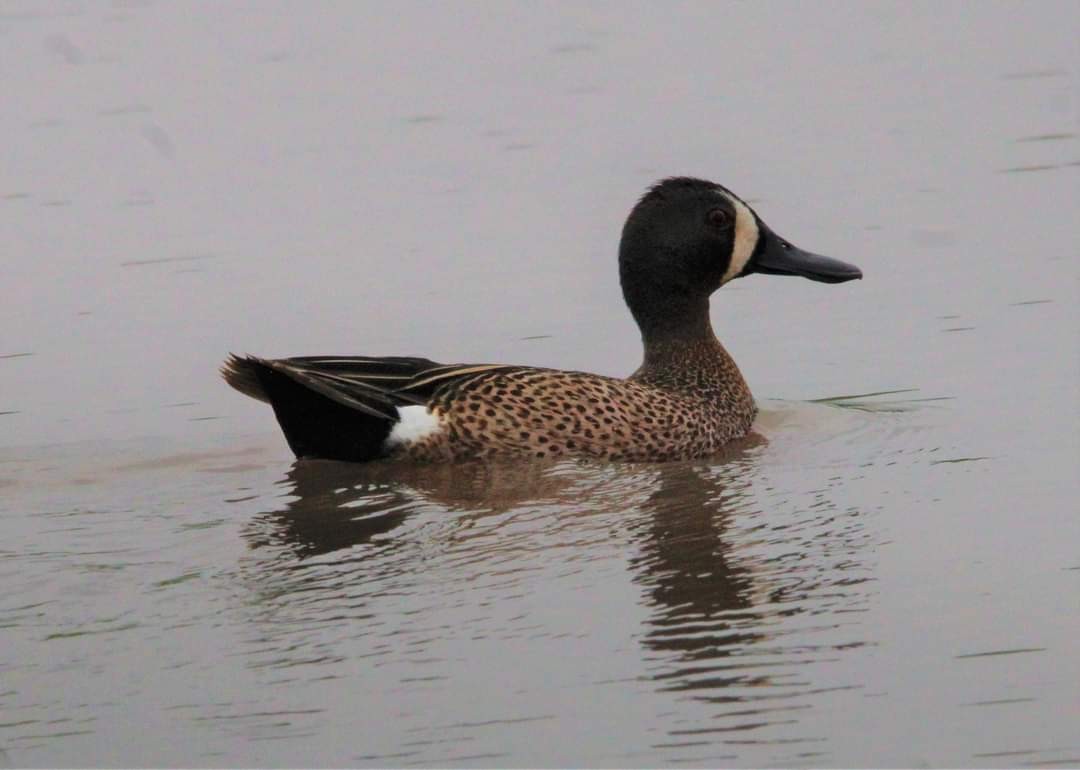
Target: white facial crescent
x=746 y=237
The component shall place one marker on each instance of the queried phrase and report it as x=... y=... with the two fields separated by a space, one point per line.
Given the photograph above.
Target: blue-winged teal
x=683 y=240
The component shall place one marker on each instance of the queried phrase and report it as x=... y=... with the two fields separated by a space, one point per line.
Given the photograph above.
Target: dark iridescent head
x=687 y=237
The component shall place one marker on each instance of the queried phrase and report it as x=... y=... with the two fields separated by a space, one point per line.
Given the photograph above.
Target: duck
x=683 y=240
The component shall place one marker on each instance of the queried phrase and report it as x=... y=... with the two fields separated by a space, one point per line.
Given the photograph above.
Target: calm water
x=886 y=573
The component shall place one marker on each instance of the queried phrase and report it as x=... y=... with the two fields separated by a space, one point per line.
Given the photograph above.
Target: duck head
x=688 y=237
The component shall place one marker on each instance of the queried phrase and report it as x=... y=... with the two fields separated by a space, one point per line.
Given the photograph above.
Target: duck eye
x=719 y=218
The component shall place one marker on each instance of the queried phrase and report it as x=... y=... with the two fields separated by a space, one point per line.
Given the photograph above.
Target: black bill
x=775 y=256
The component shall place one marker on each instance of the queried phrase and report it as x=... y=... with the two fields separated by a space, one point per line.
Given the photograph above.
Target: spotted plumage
x=682 y=241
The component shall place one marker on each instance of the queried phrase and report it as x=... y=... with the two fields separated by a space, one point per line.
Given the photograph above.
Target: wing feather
x=373 y=385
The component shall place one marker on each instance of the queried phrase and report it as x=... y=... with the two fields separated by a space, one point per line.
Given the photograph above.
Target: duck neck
x=687 y=324
x=683 y=355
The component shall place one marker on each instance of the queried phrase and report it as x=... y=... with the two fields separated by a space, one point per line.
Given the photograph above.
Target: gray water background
x=882 y=580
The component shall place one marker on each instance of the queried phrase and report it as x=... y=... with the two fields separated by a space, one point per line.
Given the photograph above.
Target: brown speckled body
x=687 y=402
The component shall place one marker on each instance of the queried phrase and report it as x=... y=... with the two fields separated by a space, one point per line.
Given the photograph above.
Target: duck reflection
x=703 y=597
x=685 y=561
x=335 y=505
x=744 y=601
x=331 y=507
x=737 y=600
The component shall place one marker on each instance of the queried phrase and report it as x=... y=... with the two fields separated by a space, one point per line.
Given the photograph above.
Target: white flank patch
x=415 y=423
x=746 y=238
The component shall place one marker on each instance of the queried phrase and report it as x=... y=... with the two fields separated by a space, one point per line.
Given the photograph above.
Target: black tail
x=314 y=424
